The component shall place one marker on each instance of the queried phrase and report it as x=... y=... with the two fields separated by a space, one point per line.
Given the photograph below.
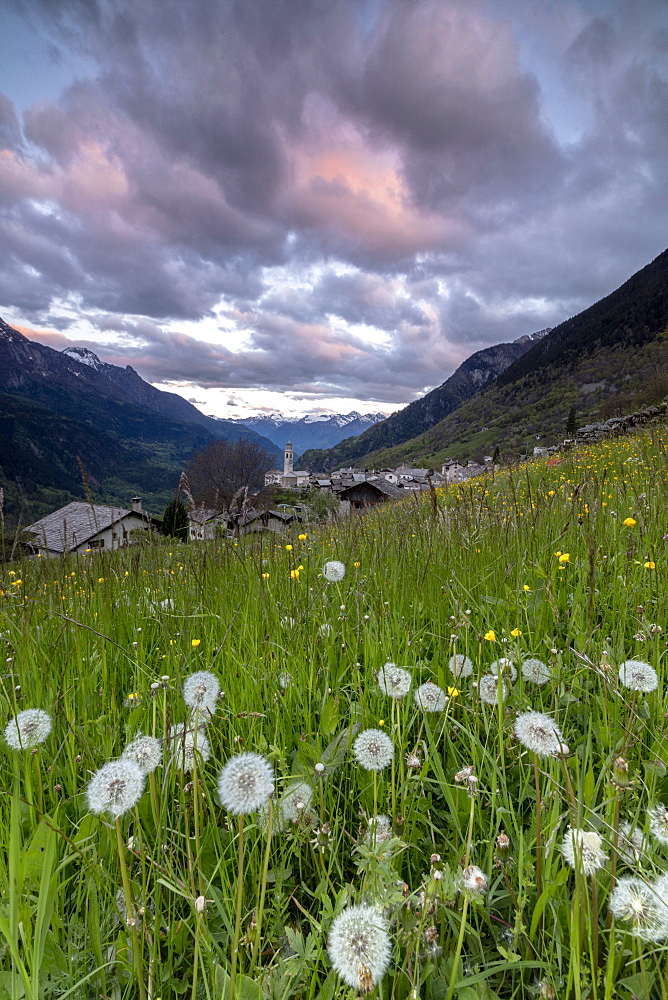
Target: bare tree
x=219 y=471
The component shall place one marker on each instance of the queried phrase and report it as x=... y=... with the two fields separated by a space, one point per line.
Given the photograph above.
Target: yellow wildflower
x=195 y=642
x=288 y=548
x=294 y=574
x=515 y=632
x=649 y=565
x=17 y=583
x=491 y=635
x=526 y=587
x=628 y=522
x=265 y=576
x=564 y=557
x=453 y=692
x=302 y=538
x=357 y=565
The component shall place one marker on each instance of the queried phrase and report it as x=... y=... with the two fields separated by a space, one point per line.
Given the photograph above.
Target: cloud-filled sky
x=309 y=205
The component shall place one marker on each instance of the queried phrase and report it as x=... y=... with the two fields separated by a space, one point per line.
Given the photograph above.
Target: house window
x=97 y=543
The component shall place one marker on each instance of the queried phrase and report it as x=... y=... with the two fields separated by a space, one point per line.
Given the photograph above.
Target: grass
x=536 y=562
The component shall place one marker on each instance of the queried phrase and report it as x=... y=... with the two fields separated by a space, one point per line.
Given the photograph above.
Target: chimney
x=136 y=505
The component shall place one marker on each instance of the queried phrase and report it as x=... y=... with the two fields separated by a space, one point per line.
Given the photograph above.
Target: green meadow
x=476 y=864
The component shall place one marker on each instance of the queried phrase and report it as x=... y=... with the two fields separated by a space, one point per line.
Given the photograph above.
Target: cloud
x=359 y=194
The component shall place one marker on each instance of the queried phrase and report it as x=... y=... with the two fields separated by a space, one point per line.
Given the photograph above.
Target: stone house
x=82 y=527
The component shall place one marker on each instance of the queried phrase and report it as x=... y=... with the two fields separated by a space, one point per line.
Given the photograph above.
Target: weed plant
x=462 y=848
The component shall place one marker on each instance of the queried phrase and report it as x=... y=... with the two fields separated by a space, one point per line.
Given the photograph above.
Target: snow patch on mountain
x=84 y=357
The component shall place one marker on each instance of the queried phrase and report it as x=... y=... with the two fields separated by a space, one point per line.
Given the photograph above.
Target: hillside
x=610 y=359
x=471 y=376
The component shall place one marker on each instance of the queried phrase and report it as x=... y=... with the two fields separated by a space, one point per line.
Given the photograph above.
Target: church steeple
x=288 y=459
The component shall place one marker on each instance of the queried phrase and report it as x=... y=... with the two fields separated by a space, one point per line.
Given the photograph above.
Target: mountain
x=311 y=431
x=34 y=371
x=471 y=376
x=609 y=360
x=64 y=411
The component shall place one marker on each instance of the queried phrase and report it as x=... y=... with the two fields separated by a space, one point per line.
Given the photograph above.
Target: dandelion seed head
x=394 y=681
x=334 y=571
x=630 y=843
x=641 y=906
x=488 y=689
x=658 y=822
x=146 y=752
x=294 y=804
x=474 y=879
x=379 y=829
x=373 y=749
x=184 y=742
x=535 y=671
x=359 y=946
x=27 y=729
x=116 y=787
x=430 y=697
x=201 y=690
x=505 y=667
x=246 y=783
x=583 y=847
x=636 y=675
x=460 y=666
x=538 y=733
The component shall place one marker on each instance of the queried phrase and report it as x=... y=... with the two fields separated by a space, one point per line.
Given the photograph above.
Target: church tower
x=288 y=459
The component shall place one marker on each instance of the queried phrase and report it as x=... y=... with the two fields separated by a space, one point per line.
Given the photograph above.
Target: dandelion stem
x=130 y=909
x=539 y=846
x=458 y=950
x=237 y=917
x=263 y=885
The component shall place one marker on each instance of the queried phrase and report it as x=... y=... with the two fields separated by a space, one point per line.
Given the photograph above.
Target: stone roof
x=76 y=523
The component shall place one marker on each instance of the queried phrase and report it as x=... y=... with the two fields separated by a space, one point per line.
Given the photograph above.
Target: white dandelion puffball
x=636 y=675
x=658 y=822
x=146 y=751
x=379 y=829
x=394 y=681
x=430 y=697
x=334 y=571
x=535 y=671
x=116 y=787
x=359 y=946
x=642 y=907
x=460 y=666
x=246 y=783
x=295 y=803
x=538 y=733
x=631 y=843
x=201 y=690
x=185 y=742
x=505 y=667
x=373 y=749
x=27 y=729
x=488 y=689
x=584 y=848
x=474 y=879
x=325 y=630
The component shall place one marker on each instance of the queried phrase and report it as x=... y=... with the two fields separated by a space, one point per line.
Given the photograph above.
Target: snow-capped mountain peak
x=84 y=357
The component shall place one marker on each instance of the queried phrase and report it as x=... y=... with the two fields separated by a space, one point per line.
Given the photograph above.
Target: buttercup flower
x=334 y=571
x=491 y=635
x=460 y=666
x=585 y=848
x=394 y=681
x=628 y=522
x=359 y=946
x=116 y=787
x=146 y=752
x=373 y=749
x=27 y=729
x=637 y=675
x=246 y=783
x=430 y=697
x=201 y=690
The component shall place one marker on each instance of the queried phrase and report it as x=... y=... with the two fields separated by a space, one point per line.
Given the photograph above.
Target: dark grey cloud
x=310 y=169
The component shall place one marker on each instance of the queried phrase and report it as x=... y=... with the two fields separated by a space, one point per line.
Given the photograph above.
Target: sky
x=323 y=205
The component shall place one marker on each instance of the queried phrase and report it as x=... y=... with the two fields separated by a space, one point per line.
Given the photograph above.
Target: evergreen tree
x=496 y=457
x=175 y=520
x=571 y=422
